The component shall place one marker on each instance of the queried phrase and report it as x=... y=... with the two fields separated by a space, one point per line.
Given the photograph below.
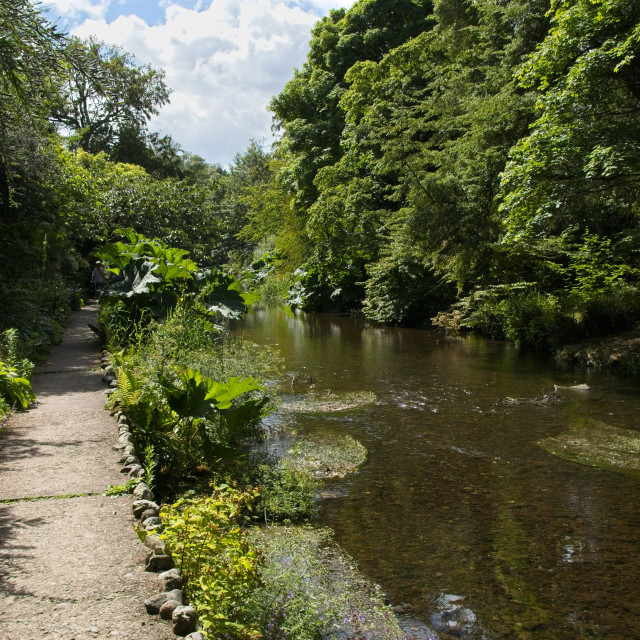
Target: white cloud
x=73 y=9
x=223 y=59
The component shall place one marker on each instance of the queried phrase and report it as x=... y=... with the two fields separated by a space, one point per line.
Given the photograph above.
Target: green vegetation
x=328 y=457
x=192 y=411
x=218 y=564
x=330 y=402
x=468 y=165
x=273 y=582
x=597 y=444
x=159 y=313
x=311 y=589
x=15 y=375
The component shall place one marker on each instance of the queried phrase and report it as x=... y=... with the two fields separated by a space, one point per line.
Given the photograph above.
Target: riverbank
x=618 y=353
x=71 y=565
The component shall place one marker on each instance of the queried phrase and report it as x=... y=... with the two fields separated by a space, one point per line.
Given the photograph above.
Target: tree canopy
x=466 y=164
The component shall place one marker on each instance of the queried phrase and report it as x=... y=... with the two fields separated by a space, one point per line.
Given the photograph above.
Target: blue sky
x=223 y=59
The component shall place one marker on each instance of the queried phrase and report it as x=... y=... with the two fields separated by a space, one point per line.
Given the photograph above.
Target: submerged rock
x=330 y=402
x=545 y=400
x=597 y=444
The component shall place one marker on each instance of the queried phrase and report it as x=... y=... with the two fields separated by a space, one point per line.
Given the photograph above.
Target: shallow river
x=469 y=526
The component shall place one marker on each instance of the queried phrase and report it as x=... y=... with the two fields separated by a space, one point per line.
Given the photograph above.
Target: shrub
x=285 y=494
x=218 y=563
x=15 y=374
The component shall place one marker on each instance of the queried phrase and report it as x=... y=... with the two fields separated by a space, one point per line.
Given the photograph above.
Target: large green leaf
x=197 y=396
x=14 y=388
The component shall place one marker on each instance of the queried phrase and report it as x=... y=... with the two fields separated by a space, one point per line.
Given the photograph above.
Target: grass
x=312 y=590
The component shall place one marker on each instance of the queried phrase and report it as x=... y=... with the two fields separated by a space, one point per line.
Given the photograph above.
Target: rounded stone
x=185 y=620
x=170 y=580
x=158 y=563
x=142 y=492
x=130 y=468
x=157 y=545
x=154 y=521
x=153 y=604
x=167 y=609
x=148 y=513
x=140 y=506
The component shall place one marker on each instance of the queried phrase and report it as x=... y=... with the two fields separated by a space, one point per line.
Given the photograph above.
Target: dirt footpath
x=70 y=567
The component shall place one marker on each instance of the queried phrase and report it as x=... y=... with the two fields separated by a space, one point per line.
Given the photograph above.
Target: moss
x=326 y=458
x=330 y=402
x=597 y=444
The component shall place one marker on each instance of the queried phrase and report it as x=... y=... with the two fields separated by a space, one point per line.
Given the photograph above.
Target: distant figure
x=97 y=276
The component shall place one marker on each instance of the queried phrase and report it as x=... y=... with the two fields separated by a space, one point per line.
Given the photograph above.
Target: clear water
x=471 y=528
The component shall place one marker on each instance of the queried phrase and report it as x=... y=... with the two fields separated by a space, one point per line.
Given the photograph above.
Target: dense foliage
x=482 y=155
x=77 y=162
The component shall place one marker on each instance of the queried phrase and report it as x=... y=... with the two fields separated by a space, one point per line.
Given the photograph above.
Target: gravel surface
x=70 y=567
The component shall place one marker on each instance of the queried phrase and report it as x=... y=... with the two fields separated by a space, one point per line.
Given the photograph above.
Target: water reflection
x=469 y=526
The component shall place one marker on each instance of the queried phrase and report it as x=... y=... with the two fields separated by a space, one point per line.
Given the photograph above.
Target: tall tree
x=308 y=111
x=31 y=54
x=105 y=95
x=579 y=168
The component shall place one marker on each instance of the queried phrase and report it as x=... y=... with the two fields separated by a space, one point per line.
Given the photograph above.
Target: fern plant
x=15 y=373
x=15 y=389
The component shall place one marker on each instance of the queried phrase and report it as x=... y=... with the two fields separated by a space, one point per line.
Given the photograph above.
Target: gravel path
x=70 y=567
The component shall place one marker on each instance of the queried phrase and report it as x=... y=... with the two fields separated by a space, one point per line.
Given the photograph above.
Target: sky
x=223 y=59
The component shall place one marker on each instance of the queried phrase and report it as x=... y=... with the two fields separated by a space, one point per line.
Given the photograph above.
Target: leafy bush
x=541 y=320
x=286 y=494
x=38 y=308
x=148 y=274
x=190 y=420
x=403 y=290
x=218 y=563
x=15 y=374
x=15 y=389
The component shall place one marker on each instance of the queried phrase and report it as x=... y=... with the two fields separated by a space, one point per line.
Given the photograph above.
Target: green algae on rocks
x=326 y=458
x=330 y=402
x=312 y=589
x=598 y=444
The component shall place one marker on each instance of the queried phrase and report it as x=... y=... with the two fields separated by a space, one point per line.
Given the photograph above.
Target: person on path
x=97 y=277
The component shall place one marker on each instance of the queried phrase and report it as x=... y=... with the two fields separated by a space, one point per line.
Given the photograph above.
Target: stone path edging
x=169 y=604
x=71 y=568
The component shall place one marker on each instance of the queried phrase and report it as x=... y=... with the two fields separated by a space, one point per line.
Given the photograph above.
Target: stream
x=471 y=529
